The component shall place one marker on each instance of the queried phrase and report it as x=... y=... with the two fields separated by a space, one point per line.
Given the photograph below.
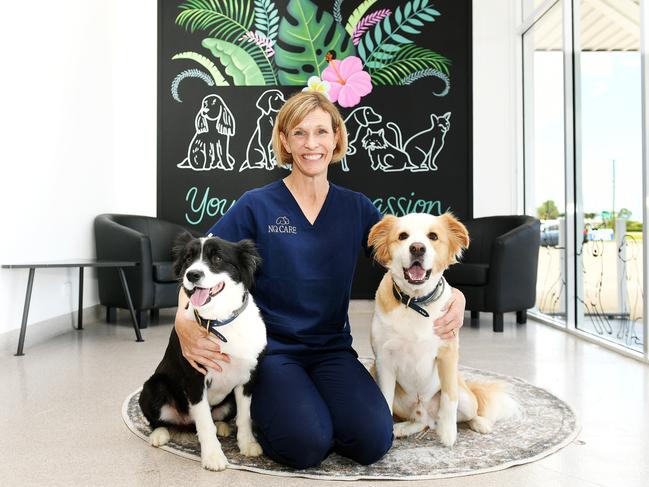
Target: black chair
x=498 y=272
x=148 y=241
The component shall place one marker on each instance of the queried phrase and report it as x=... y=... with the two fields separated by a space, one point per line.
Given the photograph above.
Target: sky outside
x=611 y=130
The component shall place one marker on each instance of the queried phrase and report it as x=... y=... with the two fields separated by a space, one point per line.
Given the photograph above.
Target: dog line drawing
x=359 y=119
x=259 y=153
x=210 y=146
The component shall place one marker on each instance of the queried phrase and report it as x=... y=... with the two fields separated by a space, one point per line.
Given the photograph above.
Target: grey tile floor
x=60 y=421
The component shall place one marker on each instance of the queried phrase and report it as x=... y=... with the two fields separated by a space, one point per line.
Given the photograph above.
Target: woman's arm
x=448 y=325
x=200 y=348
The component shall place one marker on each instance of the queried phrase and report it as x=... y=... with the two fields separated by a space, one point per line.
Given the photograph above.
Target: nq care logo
x=282 y=225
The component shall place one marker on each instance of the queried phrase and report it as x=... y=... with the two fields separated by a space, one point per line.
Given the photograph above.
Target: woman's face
x=311 y=143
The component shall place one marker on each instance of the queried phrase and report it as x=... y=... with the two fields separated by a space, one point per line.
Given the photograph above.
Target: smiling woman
x=309 y=233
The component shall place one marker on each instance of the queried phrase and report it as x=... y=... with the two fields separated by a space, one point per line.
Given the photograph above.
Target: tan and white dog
x=416 y=370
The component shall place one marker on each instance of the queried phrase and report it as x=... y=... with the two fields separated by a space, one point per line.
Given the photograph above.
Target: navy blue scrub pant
x=304 y=407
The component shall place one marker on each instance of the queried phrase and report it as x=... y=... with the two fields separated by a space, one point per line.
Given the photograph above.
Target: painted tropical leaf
x=305 y=37
x=237 y=62
x=228 y=20
x=368 y=21
x=357 y=14
x=429 y=73
x=266 y=18
x=337 y=15
x=408 y=60
x=207 y=63
x=378 y=46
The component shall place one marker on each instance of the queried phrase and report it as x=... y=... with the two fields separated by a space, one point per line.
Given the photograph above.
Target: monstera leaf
x=237 y=62
x=304 y=41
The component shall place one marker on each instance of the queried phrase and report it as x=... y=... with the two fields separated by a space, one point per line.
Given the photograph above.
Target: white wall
x=78 y=138
x=495 y=171
x=78 y=126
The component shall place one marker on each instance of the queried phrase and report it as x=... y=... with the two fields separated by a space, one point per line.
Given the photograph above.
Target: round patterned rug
x=546 y=425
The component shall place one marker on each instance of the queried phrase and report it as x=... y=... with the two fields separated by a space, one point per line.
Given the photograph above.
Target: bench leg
x=23 y=326
x=127 y=294
x=80 y=317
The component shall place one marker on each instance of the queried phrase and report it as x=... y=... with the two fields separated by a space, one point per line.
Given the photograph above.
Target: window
x=584 y=167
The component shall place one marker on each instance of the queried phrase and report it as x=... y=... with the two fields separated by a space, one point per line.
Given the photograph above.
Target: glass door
x=609 y=219
x=543 y=91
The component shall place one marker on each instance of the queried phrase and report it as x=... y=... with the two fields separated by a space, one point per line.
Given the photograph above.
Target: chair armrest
x=117 y=242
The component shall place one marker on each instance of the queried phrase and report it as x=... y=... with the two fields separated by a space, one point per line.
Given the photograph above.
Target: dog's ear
x=458 y=236
x=177 y=251
x=263 y=102
x=200 y=123
x=378 y=239
x=225 y=122
x=249 y=260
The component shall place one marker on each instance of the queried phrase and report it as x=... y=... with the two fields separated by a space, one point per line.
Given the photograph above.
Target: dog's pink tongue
x=416 y=273
x=200 y=296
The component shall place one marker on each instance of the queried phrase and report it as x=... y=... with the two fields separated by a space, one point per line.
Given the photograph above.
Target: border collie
x=416 y=370
x=217 y=276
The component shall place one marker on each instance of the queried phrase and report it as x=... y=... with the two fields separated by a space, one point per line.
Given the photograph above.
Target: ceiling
x=605 y=25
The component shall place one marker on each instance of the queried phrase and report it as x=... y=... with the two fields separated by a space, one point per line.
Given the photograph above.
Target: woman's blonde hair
x=294 y=110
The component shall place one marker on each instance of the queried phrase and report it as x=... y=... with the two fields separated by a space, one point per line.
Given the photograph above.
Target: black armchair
x=148 y=241
x=498 y=272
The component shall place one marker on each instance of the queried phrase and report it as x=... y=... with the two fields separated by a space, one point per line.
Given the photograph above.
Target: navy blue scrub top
x=304 y=283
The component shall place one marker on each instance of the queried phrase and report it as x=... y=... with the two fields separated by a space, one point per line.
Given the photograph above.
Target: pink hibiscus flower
x=348 y=82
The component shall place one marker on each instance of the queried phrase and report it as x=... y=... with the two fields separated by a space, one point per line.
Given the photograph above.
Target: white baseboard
x=42 y=331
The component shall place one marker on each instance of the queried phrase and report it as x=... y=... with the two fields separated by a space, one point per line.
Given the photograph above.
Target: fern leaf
x=427 y=73
x=238 y=10
x=218 y=78
x=367 y=22
x=225 y=19
x=189 y=73
x=266 y=18
x=337 y=16
x=410 y=59
x=406 y=22
x=357 y=14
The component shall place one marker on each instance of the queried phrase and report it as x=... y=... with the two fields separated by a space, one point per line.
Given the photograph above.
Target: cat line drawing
x=417 y=154
x=424 y=147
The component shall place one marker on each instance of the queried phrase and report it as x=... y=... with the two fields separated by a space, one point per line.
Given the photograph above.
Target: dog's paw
x=481 y=424
x=159 y=436
x=407 y=428
x=447 y=432
x=250 y=448
x=214 y=460
x=223 y=429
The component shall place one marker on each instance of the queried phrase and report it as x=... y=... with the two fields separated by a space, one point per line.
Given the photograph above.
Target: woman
x=312 y=395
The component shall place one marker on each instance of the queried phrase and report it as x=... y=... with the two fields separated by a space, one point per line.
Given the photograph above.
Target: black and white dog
x=217 y=276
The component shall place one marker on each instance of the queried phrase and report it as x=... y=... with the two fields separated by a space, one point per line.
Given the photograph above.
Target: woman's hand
x=201 y=349
x=447 y=325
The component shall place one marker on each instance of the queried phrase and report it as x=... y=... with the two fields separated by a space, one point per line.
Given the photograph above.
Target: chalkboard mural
x=398 y=70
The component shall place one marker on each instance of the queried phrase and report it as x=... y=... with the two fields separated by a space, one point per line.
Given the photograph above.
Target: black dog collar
x=211 y=325
x=413 y=303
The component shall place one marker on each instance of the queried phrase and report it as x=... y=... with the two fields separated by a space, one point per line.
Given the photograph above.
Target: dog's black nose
x=417 y=249
x=194 y=276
